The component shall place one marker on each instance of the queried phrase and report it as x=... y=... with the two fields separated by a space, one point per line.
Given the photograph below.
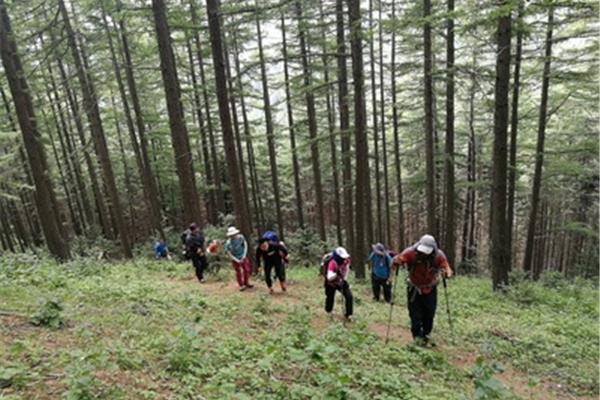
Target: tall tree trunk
x=514 y=125
x=91 y=166
x=398 y=171
x=147 y=177
x=269 y=130
x=179 y=135
x=312 y=124
x=256 y=198
x=93 y=113
x=360 y=135
x=72 y=151
x=216 y=168
x=379 y=237
x=539 y=159
x=345 y=133
x=335 y=196
x=214 y=24
x=499 y=251
x=450 y=228
x=32 y=139
x=292 y=128
x=386 y=186
x=211 y=210
x=429 y=145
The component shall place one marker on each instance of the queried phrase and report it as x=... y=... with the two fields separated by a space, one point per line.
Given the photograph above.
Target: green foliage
x=214 y=342
x=49 y=315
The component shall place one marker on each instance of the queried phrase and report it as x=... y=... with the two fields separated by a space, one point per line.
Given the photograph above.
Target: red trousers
x=242 y=271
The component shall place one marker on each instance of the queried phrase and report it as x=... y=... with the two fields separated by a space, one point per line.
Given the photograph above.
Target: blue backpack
x=270 y=236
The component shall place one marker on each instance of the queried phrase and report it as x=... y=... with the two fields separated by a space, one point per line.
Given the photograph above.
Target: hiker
x=426 y=264
x=379 y=263
x=274 y=254
x=195 y=249
x=184 y=249
x=236 y=248
x=161 y=250
x=335 y=272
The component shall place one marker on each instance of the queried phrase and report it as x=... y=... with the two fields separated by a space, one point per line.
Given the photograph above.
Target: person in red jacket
x=426 y=265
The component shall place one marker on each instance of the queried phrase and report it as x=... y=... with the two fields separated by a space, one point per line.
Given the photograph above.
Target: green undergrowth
x=148 y=330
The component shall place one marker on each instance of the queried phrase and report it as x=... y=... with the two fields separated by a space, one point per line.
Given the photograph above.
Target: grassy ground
x=148 y=330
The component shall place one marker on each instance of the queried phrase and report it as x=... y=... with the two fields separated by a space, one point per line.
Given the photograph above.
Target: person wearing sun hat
x=426 y=264
x=236 y=248
x=336 y=279
x=380 y=263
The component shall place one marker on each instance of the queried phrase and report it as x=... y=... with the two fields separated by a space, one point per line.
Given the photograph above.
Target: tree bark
x=514 y=125
x=539 y=159
x=360 y=135
x=312 y=124
x=429 y=145
x=269 y=131
x=399 y=196
x=498 y=236
x=291 y=127
x=32 y=140
x=93 y=114
x=345 y=133
x=214 y=24
x=450 y=228
x=179 y=134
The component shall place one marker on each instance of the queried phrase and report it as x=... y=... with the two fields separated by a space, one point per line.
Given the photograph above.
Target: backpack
x=270 y=236
x=324 y=263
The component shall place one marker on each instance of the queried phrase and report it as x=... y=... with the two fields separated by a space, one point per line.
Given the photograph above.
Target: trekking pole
x=387 y=334
x=448 y=307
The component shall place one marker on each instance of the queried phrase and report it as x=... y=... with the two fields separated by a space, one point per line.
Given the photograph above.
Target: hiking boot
x=249 y=286
x=242 y=288
x=271 y=291
x=283 y=286
x=429 y=342
x=419 y=341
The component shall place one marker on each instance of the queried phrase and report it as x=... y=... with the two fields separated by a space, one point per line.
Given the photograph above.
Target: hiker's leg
x=348 y=299
x=246 y=270
x=280 y=271
x=387 y=291
x=329 y=297
x=197 y=266
x=415 y=313
x=268 y=279
x=375 y=287
x=238 y=273
x=429 y=306
x=203 y=265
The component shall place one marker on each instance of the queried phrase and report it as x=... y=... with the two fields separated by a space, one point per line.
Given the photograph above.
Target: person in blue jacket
x=380 y=263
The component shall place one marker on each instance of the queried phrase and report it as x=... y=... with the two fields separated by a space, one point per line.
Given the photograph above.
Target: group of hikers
x=425 y=262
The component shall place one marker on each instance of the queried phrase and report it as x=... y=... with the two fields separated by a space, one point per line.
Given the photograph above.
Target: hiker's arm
x=258 y=257
x=245 y=250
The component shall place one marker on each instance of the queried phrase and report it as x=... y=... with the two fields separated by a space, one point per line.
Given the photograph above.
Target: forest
x=335 y=124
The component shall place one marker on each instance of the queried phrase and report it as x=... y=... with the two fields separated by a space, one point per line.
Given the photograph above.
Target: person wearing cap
x=195 y=247
x=426 y=265
x=336 y=279
x=274 y=254
x=379 y=263
x=236 y=248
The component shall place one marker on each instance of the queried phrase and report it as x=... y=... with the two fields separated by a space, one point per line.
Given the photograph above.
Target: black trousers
x=279 y=272
x=378 y=283
x=421 y=309
x=344 y=288
x=200 y=263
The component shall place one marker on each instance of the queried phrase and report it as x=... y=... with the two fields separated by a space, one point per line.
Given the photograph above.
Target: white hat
x=340 y=251
x=232 y=230
x=426 y=244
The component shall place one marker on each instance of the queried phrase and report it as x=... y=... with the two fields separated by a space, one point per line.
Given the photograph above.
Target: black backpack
x=324 y=263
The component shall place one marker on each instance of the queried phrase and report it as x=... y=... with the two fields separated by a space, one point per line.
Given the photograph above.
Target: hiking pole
x=387 y=334
x=448 y=306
